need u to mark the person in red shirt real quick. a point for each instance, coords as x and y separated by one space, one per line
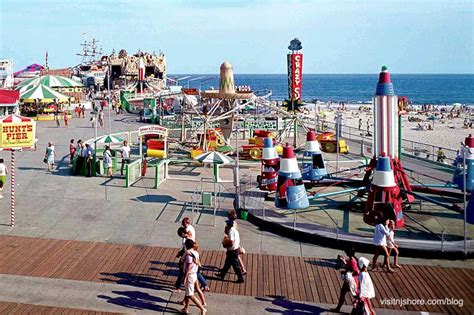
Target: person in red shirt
350 276
66 119
72 149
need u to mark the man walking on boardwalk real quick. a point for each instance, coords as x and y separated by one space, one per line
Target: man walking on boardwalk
232 243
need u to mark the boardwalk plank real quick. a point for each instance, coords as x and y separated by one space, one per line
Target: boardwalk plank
296 278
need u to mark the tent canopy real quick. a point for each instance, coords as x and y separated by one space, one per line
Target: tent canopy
31 69
42 93
49 81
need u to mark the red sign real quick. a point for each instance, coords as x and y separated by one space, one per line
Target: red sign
295 75
190 91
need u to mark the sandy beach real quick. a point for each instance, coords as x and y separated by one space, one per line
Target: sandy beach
418 125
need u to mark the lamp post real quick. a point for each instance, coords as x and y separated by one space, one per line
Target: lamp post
108 99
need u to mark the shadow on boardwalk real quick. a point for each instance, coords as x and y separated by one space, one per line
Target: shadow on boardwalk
138 301
136 280
290 307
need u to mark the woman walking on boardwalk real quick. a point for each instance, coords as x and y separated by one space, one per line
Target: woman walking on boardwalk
380 240
391 245
49 156
191 265
349 276
363 306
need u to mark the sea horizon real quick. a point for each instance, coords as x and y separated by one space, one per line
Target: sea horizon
438 89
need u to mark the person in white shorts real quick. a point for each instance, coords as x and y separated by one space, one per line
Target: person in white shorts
191 265
391 245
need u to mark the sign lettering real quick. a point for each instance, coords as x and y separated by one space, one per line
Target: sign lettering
296 76
17 135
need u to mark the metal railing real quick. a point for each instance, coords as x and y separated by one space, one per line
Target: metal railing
411 148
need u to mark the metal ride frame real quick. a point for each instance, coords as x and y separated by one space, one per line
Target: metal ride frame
233 111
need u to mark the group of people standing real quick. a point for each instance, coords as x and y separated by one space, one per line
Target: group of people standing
189 263
80 111
99 116
355 271
65 117
84 154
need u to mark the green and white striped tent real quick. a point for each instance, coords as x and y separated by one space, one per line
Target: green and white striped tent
52 81
107 139
43 93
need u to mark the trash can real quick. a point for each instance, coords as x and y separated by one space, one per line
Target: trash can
244 214
207 199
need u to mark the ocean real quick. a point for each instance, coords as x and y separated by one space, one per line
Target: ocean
420 88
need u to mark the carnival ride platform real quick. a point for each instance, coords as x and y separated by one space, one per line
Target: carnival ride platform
335 215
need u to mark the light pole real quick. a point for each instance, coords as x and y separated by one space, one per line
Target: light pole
237 175
108 99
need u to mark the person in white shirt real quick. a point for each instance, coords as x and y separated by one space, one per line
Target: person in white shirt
380 240
366 287
125 151
190 232
232 243
391 245
3 176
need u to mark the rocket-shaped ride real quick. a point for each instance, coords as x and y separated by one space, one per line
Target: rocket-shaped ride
291 193
386 196
313 163
270 161
384 200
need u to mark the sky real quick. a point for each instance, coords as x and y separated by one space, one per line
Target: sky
338 36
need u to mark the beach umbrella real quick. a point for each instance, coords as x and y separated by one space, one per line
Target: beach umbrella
109 139
49 81
214 158
42 93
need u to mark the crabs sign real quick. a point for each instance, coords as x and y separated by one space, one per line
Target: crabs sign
17 132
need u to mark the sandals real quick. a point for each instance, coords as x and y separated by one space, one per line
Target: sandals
184 311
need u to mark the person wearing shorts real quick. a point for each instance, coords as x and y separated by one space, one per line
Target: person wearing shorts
3 177
191 265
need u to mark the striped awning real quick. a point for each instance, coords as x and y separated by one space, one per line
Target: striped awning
14 119
53 81
214 157
42 93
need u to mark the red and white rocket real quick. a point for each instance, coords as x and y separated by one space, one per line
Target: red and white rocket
384 200
389 183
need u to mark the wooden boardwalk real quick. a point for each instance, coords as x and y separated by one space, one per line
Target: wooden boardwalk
20 308
294 278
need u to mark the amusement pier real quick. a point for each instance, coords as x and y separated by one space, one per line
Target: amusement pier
106 159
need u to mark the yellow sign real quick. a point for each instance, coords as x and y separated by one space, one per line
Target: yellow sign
17 135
